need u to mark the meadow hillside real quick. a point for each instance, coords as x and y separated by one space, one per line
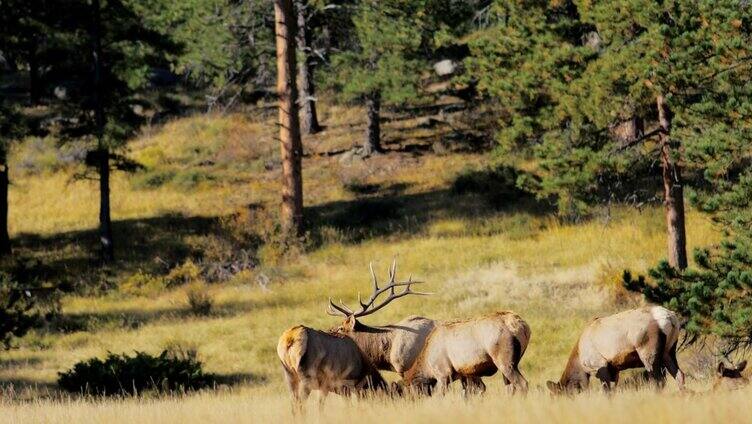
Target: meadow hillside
199 216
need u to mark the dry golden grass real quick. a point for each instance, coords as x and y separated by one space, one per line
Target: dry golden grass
495 406
475 257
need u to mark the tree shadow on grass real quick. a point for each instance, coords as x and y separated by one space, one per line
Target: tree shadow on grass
386 210
132 319
151 245
156 245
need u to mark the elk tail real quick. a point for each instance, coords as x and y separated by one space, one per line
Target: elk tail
292 347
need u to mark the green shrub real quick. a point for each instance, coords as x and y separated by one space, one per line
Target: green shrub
142 284
183 274
131 375
152 179
188 180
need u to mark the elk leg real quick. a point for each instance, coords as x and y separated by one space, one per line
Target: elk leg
605 375
515 377
303 392
672 365
292 384
654 366
472 385
506 355
442 385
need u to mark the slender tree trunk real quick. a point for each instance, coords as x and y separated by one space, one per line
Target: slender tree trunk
34 88
289 124
309 121
372 142
5 248
673 192
103 153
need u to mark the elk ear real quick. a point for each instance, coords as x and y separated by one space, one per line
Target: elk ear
741 365
721 368
553 387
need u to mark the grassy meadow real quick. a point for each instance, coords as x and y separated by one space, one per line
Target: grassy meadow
210 184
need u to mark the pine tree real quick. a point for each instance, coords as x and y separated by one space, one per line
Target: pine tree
9 130
575 73
384 64
289 124
110 79
309 121
228 45
716 296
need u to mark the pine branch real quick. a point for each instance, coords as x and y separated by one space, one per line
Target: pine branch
639 140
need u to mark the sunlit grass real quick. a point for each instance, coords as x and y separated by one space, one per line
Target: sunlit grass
262 406
476 257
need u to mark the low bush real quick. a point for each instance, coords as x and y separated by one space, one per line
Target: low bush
183 274
142 284
200 301
152 179
132 375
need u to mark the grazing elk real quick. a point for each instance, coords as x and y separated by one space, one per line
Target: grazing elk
471 349
643 337
316 360
427 353
730 378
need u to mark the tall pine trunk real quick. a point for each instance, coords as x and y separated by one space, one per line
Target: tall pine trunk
372 142
309 121
289 124
5 248
103 154
673 191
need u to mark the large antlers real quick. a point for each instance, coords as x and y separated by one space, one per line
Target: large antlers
367 308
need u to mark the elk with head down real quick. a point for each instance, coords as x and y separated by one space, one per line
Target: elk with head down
316 360
429 353
643 337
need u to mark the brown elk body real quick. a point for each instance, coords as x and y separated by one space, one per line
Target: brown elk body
315 360
391 347
427 352
730 378
643 337
469 350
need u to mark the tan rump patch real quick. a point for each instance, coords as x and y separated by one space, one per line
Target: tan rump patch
291 346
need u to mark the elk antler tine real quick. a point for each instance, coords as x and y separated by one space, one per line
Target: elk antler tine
373 275
348 310
333 309
362 305
393 270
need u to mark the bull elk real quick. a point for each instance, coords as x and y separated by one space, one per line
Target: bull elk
643 337
316 360
430 353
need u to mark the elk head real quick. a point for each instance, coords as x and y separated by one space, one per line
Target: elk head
730 378
393 289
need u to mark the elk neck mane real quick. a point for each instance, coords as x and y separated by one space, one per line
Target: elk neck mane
374 342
